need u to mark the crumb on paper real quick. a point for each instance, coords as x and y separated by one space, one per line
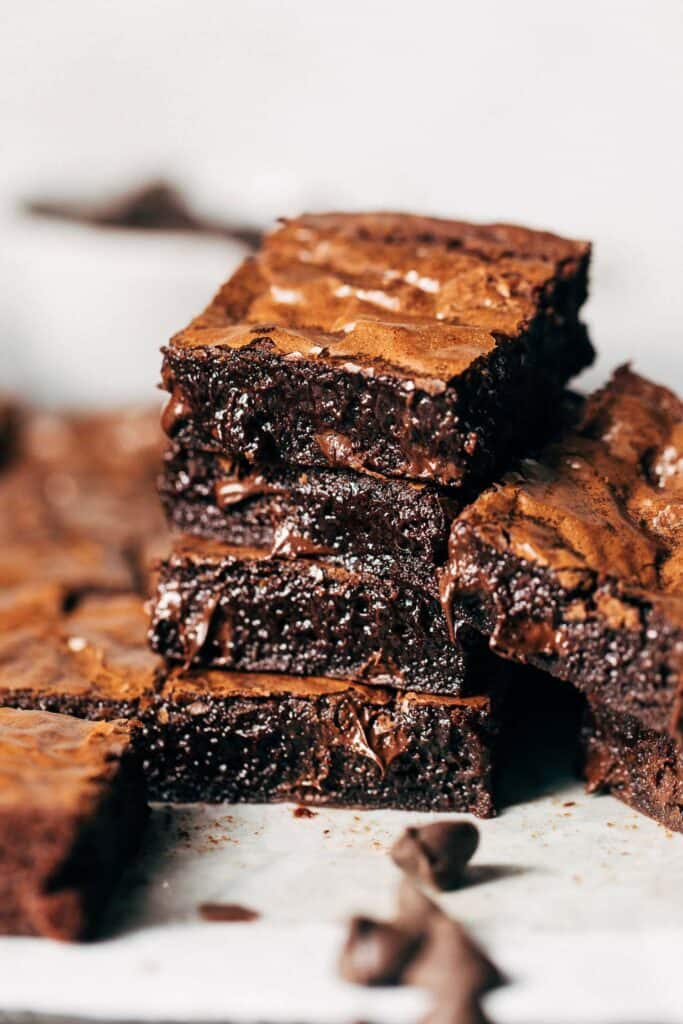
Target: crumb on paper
227 912
304 812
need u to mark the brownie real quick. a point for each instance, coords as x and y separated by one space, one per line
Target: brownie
72 810
218 606
575 562
245 736
78 503
360 520
96 473
93 663
76 566
640 766
403 345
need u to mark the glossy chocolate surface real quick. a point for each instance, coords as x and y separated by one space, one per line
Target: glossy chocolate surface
412 295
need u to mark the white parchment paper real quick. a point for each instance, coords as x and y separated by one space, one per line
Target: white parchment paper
578 899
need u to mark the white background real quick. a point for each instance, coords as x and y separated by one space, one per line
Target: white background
559 115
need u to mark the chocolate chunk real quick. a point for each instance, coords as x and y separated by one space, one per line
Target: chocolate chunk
376 953
438 853
448 961
226 912
425 948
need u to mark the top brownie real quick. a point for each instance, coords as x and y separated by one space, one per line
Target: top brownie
575 563
404 345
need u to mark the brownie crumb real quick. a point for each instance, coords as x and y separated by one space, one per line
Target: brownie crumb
304 812
436 854
227 912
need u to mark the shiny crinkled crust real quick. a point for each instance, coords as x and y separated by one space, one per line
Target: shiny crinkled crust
383 343
575 562
95 655
416 296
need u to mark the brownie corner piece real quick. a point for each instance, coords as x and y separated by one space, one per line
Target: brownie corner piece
72 810
401 345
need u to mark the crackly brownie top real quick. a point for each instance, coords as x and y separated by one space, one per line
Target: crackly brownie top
99 652
605 502
54 761
415 296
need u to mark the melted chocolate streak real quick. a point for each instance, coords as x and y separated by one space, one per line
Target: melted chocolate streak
232 491
448 587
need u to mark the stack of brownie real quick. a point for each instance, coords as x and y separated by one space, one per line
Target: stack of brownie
348 390
372 470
